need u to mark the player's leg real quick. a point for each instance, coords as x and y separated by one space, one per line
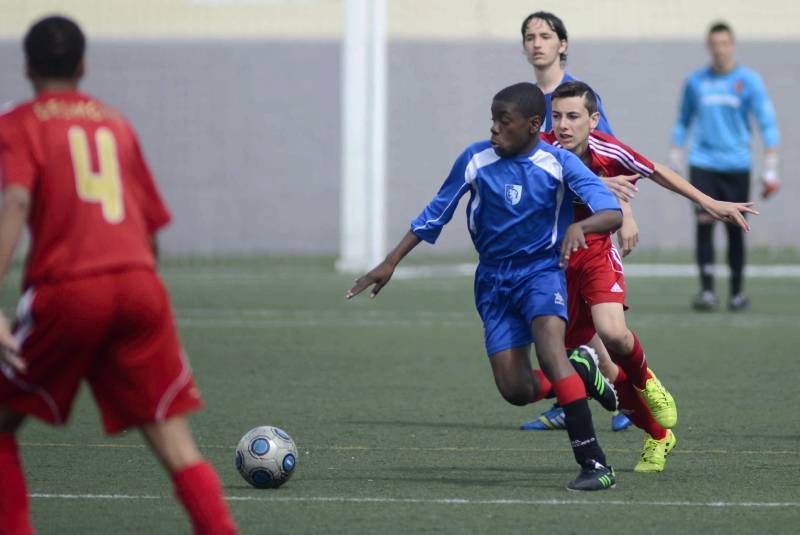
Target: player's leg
516 380
736 189
143 380
619 421
705 181
626 350
57 348
14 508
548 331
196 483
579 330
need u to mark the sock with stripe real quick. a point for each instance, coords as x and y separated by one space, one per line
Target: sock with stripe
632 406
634 364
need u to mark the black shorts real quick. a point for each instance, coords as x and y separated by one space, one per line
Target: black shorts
731 187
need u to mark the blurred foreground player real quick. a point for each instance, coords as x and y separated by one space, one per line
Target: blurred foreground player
93 306
518 188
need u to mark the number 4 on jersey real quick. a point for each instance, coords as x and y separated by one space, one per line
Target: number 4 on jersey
105 186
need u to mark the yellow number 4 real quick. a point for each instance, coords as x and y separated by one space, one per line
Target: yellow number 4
105 186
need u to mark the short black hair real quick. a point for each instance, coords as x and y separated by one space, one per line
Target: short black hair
528 98
720 26
555 24
54 47
577 89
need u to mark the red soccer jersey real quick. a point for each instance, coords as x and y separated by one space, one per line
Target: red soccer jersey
95 206
608 157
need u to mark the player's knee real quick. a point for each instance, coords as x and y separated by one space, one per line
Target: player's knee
515 393
616 337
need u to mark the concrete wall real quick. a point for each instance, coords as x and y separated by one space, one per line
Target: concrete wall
244 135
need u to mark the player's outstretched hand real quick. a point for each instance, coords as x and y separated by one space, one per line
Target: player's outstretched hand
623 186
574 239
379 276
731 212
9 348
628 235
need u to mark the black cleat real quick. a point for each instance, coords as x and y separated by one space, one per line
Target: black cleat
593 476
584 360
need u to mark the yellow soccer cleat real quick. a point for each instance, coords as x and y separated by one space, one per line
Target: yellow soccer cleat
654 453
660 401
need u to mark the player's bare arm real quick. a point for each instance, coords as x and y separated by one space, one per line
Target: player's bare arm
575 236
623 186
729 212
379 276
628 234
14 211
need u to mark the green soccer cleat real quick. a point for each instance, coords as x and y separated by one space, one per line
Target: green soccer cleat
584 360
660 402
654 453
593 476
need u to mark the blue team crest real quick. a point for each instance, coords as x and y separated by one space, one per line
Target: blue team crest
513 193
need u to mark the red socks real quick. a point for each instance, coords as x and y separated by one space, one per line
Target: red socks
569 389
545 386
14 511
632 406
634 364
199 490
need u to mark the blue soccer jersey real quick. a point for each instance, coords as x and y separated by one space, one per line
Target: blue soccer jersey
603 125
518 207
714 112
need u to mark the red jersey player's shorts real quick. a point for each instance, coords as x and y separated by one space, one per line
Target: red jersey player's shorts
594 275
114 329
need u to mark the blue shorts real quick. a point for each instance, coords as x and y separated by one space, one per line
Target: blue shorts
509 298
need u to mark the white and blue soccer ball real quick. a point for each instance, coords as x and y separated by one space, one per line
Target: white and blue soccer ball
266 457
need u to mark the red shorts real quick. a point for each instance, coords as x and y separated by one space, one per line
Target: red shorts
594 275
118 332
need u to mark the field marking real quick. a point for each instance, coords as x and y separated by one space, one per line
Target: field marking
464 317
631 270
338 319
432 501
455 449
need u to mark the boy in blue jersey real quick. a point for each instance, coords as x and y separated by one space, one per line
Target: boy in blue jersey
520 203
715 109
545 42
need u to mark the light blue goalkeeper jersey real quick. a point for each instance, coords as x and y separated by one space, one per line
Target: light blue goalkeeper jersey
715 111
518 207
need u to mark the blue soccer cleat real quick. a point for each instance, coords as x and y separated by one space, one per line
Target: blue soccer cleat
550 420
620 422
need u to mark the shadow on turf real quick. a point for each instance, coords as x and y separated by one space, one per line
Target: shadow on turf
457 476
416 423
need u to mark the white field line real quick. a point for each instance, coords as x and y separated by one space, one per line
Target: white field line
431 501
253 275
445 449
226 318
631 270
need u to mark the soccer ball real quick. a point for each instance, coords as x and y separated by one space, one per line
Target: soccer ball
266 457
